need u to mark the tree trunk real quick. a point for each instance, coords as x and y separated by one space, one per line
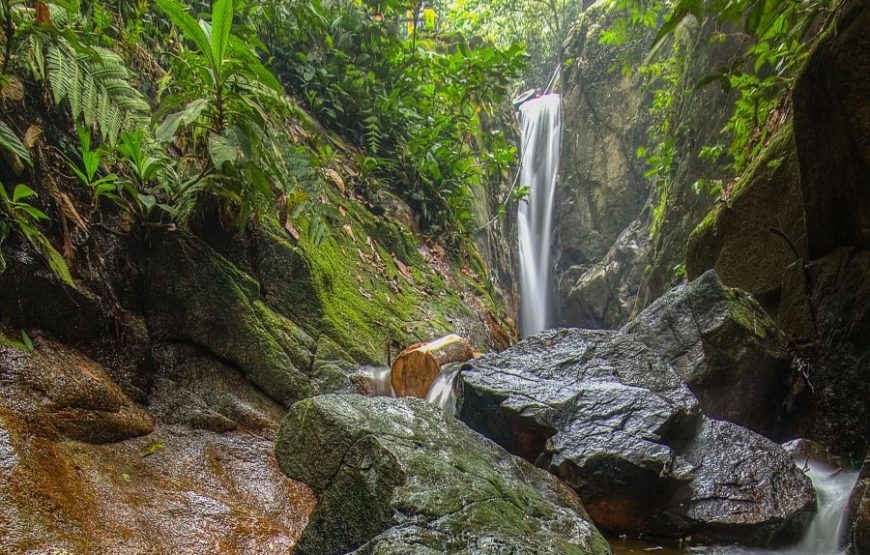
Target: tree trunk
417 367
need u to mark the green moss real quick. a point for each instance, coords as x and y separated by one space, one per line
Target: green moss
367 300
769 161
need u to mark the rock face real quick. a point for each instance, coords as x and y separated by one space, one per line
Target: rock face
725 348
84 469
810 183
629 436
143 420
602 188
203 299
605 293
736 238
400 476
832 132
826 303
621 234
859 514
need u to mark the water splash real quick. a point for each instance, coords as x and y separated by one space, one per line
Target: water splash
542 127
443 393
375 381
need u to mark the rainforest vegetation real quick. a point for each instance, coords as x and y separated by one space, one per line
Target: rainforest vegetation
264 267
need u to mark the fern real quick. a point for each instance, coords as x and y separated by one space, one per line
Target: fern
96 83
10 141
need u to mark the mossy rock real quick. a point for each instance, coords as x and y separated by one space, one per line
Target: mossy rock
736 237
195 295
401 476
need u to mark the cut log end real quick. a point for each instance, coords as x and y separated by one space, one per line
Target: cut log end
417 367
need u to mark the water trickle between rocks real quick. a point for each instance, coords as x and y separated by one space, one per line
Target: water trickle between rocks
542 127
377 383
824 535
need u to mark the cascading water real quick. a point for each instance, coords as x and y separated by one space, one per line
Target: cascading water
824 536
542 125
827 529
442 392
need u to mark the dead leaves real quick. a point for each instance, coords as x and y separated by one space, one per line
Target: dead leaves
334 176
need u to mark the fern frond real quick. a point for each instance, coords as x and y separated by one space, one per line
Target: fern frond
96 83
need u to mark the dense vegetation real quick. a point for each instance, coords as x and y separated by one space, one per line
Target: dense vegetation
778 37
134 114
146 108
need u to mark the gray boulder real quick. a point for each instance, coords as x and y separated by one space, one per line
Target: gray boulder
612 418
401 476
725 348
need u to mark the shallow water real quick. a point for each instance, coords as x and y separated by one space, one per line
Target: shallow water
822 537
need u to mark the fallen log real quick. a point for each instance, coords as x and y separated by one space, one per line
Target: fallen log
417 367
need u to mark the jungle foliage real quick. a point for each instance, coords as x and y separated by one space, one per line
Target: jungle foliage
778 37
139 110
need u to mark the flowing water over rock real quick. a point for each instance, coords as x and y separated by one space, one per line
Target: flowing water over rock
824 536
375 381
542 123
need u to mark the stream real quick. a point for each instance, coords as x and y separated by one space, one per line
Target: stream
822 537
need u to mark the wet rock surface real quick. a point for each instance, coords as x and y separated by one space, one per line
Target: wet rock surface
725 348
201 298
859 514
630 437
400 476
603 294
84 469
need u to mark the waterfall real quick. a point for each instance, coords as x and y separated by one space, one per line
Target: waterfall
827 529
541 122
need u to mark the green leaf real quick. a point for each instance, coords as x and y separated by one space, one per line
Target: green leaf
167 130
54 259
753 18
22 192
152 448
27 341
234 148
189 27
10 141
222 25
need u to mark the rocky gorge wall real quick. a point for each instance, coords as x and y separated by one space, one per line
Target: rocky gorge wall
610 264
792 230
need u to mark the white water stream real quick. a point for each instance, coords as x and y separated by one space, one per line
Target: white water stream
441 393
541 120
824 536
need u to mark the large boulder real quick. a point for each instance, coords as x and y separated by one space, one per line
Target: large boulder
401 476
85 469
203 299
725 348
611 417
